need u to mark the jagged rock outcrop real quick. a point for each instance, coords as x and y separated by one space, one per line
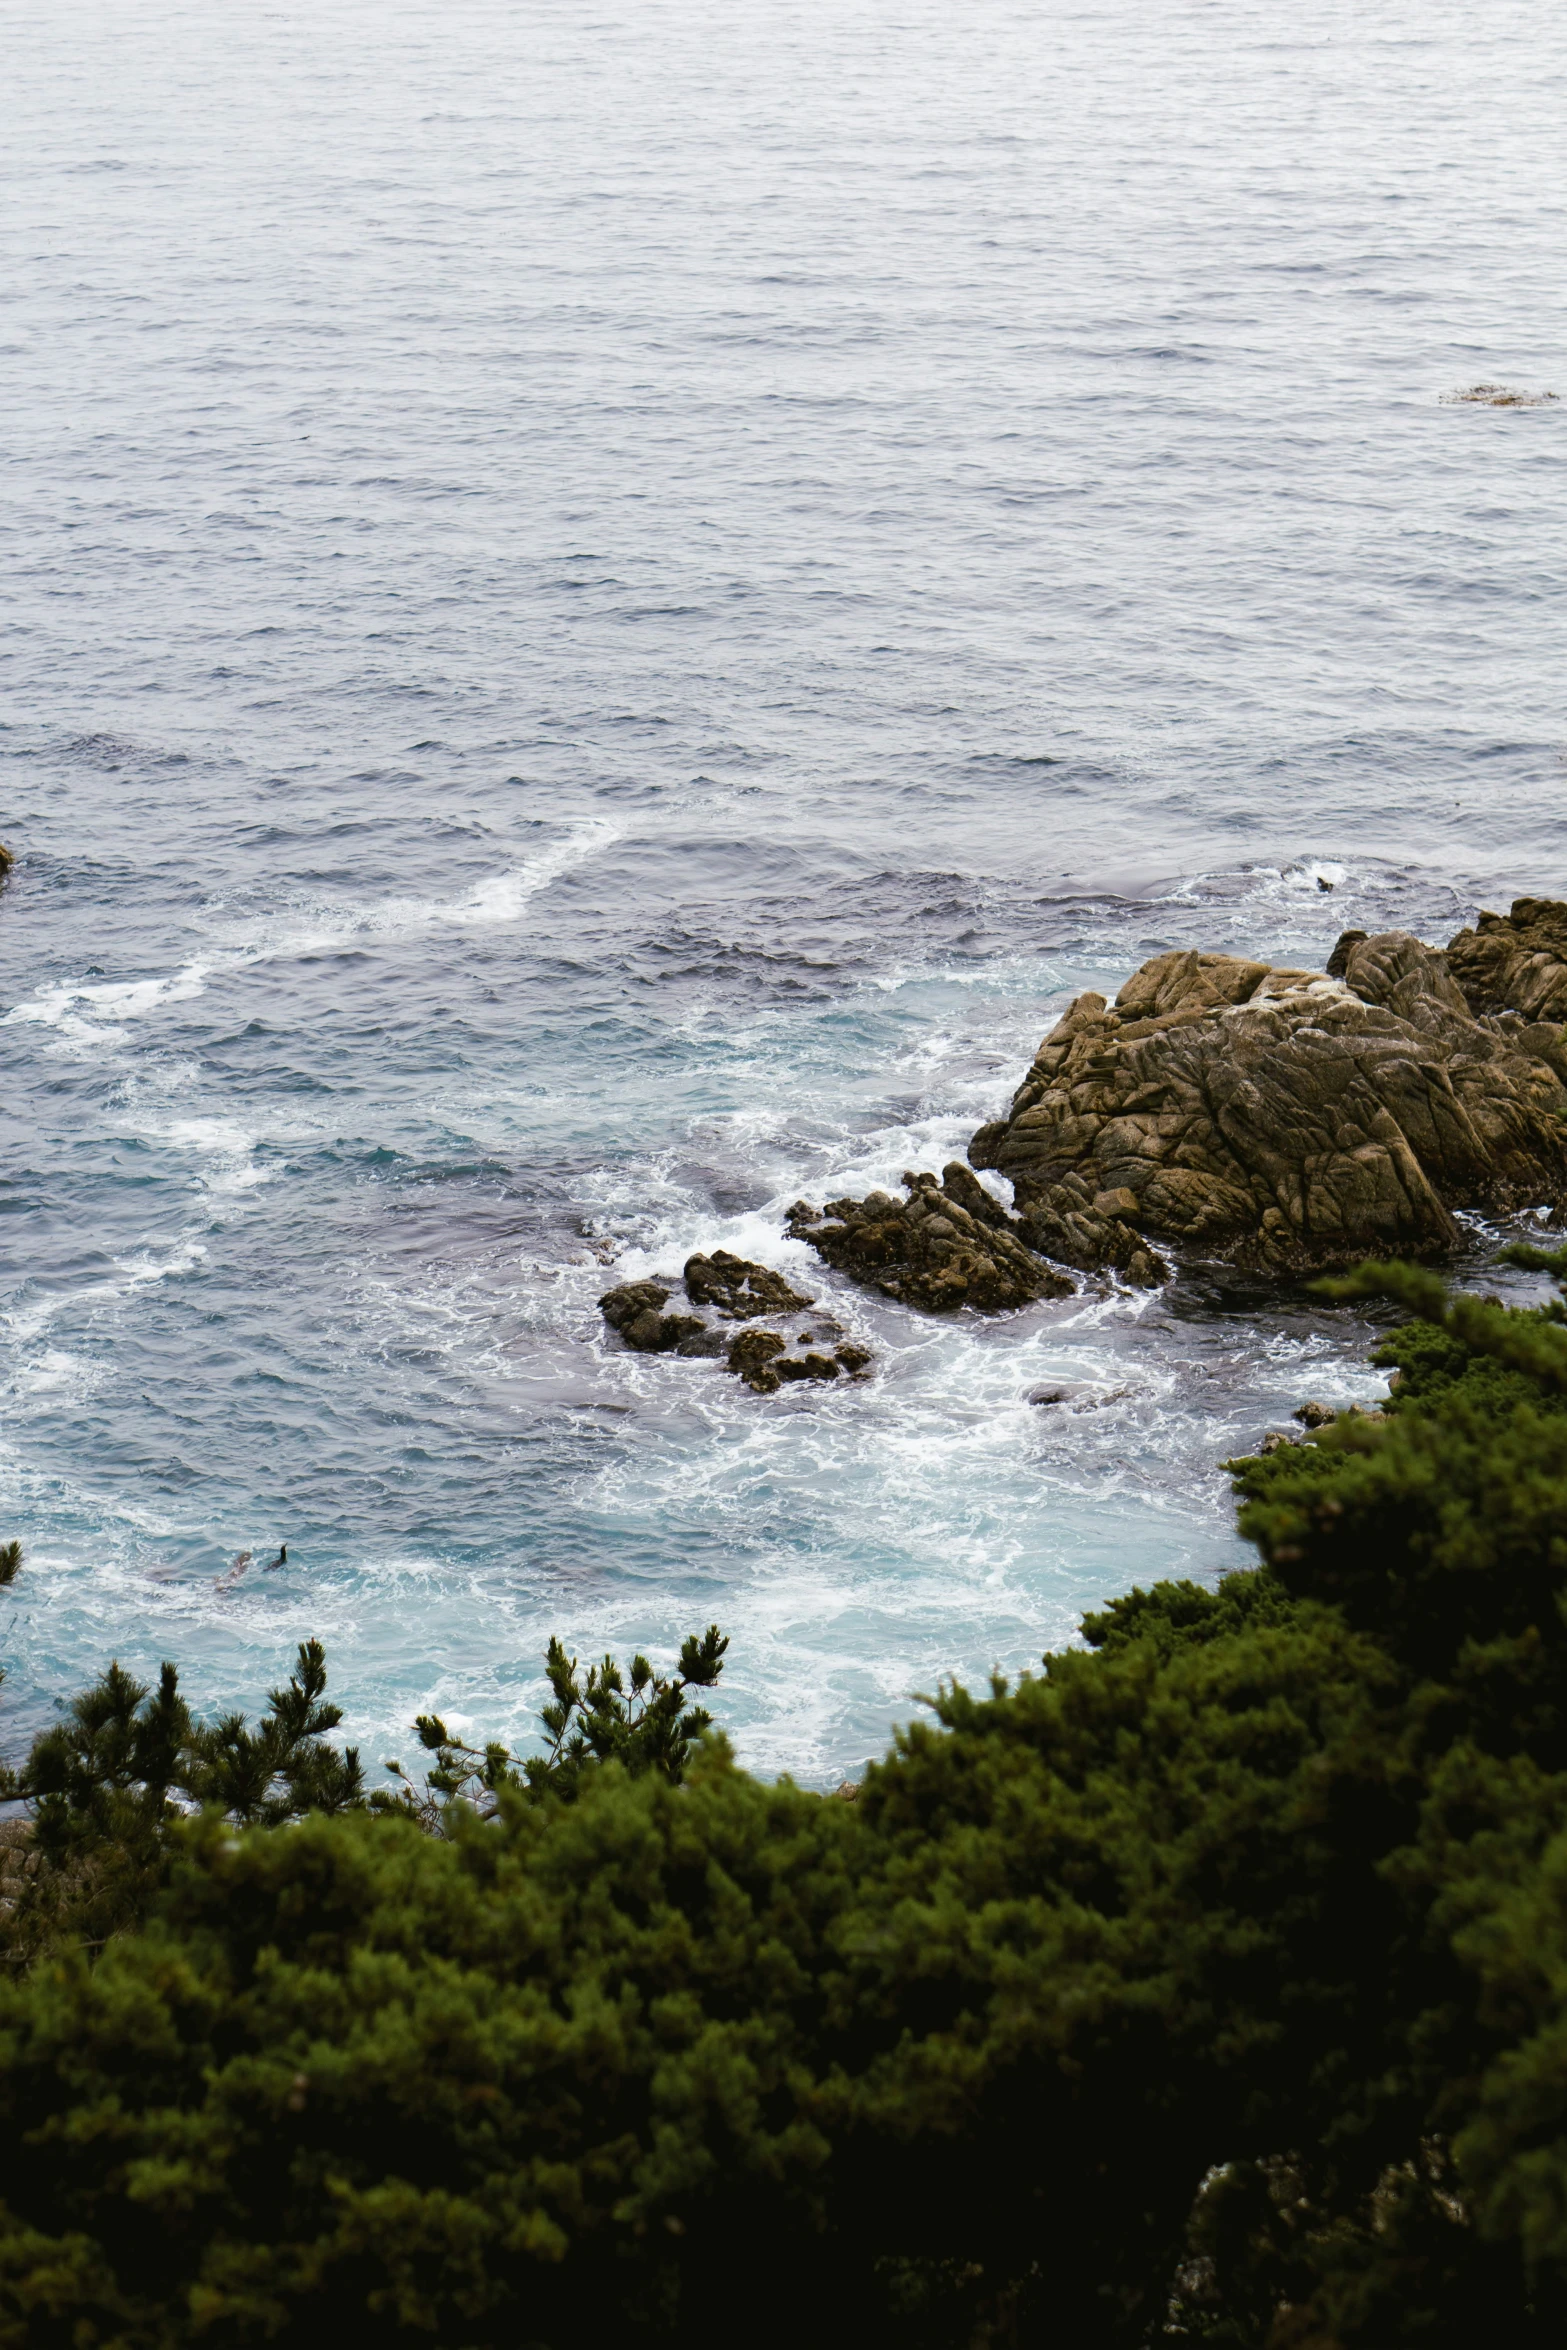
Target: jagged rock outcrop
1291 1120
761 1358
636 1310
1515 962
740 1291
948 1244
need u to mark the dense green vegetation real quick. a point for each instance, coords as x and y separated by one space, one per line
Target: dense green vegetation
1208 1986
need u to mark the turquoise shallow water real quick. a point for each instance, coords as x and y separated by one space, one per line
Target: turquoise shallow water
606 614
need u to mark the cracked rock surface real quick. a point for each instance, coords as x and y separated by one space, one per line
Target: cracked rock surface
1515 962
947 1244
1294 1120
741 1292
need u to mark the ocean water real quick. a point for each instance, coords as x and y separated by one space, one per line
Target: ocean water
607 610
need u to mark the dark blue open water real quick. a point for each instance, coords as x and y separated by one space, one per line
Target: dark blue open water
606 609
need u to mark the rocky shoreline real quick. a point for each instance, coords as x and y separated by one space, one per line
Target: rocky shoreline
948 1244
738 1291
1284 1121
1293 1121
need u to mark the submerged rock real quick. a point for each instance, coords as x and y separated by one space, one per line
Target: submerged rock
1290 1120
704 1341
1080 1395
948 1244
1497 396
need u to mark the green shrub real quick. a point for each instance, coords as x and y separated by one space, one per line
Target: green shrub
1208 1986
106 1785
589 1720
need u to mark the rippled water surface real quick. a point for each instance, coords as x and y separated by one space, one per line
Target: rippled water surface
607 610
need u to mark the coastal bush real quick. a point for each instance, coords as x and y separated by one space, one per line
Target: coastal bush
589 1720
1209 1985
105 1786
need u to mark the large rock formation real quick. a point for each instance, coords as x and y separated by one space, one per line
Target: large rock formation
1290 1120
1515 962
948 1244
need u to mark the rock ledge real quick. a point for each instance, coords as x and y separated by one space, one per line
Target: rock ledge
948 1244
1290 1120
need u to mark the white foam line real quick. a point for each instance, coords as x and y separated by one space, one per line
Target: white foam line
97 1015
28 1322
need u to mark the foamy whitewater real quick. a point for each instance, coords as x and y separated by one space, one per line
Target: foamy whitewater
608 611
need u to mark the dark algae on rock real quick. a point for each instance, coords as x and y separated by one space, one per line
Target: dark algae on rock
738 1291
1291 1121
762 1359
947 1244
636 1310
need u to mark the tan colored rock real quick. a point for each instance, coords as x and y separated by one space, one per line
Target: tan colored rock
948 1244
1515 962
1289 1120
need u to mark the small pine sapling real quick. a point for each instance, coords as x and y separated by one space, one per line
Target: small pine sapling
284 1767
591 1719
105 1785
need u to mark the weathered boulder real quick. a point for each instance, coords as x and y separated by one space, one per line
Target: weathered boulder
948 1244
807 1366
761 1358
1290 1120
738 1288
636 1311
751 1359
1515 962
